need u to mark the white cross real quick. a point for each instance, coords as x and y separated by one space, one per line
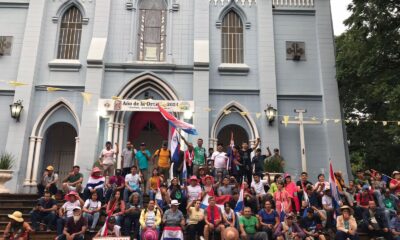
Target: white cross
301 123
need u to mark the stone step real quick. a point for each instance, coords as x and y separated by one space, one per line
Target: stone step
4 196
4 217
5 209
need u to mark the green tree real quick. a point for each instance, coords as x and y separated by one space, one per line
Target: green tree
368 73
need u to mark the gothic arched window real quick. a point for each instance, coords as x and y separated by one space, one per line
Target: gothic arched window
69 39
232 38
152 30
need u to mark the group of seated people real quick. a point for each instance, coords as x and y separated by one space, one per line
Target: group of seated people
215 204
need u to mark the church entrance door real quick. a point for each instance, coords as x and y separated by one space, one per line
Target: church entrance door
239 135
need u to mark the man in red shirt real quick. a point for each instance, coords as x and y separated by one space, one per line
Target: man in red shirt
395 183
213 219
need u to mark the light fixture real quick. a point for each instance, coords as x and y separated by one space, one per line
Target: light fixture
16 109
270 113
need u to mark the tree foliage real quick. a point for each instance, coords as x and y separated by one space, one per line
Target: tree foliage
368 72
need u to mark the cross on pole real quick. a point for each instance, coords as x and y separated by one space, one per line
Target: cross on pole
301 124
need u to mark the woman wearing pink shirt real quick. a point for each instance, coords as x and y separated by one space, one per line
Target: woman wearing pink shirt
291 188
282 198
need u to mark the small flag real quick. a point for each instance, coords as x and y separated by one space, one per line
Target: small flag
243 113
227 112
240 203
337 120
53 89
176 123
334 188
86 97
16 83
258 115
116 98
285 120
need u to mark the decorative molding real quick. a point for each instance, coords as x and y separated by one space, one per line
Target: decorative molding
64 87
4 92
241 69
293 3
239 2
175 7
65 65
14 4
146 66
294 11
233 6
66 5
302 97
234 92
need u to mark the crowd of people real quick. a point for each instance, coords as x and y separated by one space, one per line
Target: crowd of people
218 195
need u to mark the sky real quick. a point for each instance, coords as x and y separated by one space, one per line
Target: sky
339 14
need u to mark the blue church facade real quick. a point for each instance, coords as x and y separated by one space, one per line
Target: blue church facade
232 58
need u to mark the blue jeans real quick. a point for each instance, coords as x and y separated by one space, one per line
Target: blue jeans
48 218
343 236
60 225
92 219
152 194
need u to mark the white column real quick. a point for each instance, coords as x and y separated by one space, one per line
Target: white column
120 143
36 160
76 150
110 130
28 175
115 135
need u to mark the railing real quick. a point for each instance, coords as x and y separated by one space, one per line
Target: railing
293 3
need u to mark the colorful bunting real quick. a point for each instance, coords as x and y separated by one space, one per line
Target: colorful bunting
285 120
86 97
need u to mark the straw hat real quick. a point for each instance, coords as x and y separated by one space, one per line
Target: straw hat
17 216
175 202
344 207
50 168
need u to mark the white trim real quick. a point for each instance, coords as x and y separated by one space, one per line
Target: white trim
37 129
253 134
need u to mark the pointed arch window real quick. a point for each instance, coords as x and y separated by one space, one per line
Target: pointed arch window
232 38
69 39
152 30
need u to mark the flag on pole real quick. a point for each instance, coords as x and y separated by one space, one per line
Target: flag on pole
230 152
184 172
219 200
334 188
240 203
175 145
176 123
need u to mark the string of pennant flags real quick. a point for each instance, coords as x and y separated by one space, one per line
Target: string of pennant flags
87 96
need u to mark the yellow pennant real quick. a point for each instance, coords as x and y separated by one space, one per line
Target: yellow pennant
398 123
285 120
207 109
243 113
314 118
17 84
227 112
337 120
86 97
326 120
53 89
258 115
116 98
384 123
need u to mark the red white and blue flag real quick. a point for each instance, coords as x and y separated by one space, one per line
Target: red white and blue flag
230 152
334 187
172 233
240 203
219 200
176 123
175 145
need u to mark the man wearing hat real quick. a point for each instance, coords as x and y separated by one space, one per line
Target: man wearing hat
346 224
66 210
95 184
312 223
395 183
75 226
17 228
194 190
48 182
282 231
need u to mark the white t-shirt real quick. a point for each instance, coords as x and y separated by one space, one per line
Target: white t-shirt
115 233
259 187
327 201
193 192
107 156
219 159
316 185
92 205
150 218
133 181
69 207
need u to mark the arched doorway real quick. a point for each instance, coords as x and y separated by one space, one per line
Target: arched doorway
59 148
150 128
239 135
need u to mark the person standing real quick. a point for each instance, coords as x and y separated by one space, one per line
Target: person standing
189 156
245 155
220 160
127 156
106 158
48 182
200 156
257 162
274 163
142 157
163 157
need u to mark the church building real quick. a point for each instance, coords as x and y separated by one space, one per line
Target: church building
90 71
